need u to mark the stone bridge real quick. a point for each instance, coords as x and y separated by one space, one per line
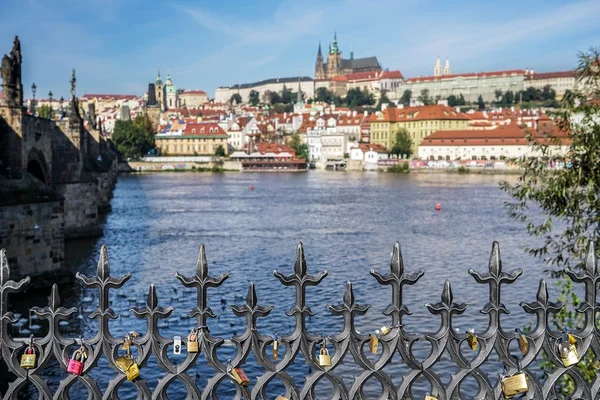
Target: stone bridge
56 176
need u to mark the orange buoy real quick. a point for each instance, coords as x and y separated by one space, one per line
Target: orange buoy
438 207
251 187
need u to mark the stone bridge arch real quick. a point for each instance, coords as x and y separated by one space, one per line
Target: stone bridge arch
38 167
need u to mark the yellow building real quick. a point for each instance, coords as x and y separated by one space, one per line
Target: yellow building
418 121
196 139
192 98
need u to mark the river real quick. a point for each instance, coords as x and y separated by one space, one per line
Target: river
348 223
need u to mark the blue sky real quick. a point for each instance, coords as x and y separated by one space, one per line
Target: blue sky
117 46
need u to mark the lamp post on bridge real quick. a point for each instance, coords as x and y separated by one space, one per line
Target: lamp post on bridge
32 106
61 101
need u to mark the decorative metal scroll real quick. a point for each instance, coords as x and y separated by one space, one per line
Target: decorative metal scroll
494 341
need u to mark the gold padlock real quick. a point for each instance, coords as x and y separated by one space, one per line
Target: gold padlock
514 385
132 372
29 356
275 349
523 342
385 330
192 342
238 375
568 354
373 343
324 357
430 397
472 339
281 398
124 362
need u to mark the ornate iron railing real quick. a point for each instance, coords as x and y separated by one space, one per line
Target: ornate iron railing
494 340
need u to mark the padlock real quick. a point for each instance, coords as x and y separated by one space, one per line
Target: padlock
514 385
28 358
472 339
324 357
177 345
430 397
523 342
568 354
238 375
385 330
76 363
132 372
192 342
281 398
373 343
124 362
275 349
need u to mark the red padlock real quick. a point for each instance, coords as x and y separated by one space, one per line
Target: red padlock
76 362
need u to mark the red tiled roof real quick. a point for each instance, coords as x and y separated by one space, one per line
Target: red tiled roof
423 113
203 128
201 92
391 75
378 148
339 78
552 75
364 76
274 148
110 96
468 75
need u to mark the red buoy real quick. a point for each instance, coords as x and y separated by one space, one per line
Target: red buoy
438 207
251 187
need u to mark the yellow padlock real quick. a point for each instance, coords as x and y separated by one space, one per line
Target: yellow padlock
324 357
275 349
567 349
281 398
514 385
472 339
28 358
132 372
373 343
430 397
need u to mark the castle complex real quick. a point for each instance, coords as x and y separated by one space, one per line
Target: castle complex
336 65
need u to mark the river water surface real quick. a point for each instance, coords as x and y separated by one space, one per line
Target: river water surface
348 223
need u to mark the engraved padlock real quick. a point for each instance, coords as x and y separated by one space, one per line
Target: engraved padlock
238 375
430 397
29 356
275 349
373 343
76 363
177 345
514 384
472 339
568 350
324 357
192 342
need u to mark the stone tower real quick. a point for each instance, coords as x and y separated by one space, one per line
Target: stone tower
12 87
159 92
437 70
151 102
319 68
447 67
334 59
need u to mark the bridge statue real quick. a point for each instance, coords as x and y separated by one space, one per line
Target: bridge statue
12 88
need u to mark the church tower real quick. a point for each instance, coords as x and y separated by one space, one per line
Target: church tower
319 68
447 67
437 70
160 99
334 59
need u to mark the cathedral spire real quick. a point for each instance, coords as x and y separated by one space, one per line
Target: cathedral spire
319 52
299 97
437 70
447 67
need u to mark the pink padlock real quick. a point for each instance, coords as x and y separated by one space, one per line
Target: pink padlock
76 362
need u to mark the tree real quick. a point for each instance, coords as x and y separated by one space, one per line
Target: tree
253 97
424 97
144 122
480 103
274 98
406 96
452 100
235 98
220 151
403 143
569 198
357 98
323 94
508 98
461 100
498 95
45 111
299 146
383 99
131 141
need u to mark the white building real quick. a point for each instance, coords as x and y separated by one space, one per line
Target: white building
502 142
369 154
306 84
